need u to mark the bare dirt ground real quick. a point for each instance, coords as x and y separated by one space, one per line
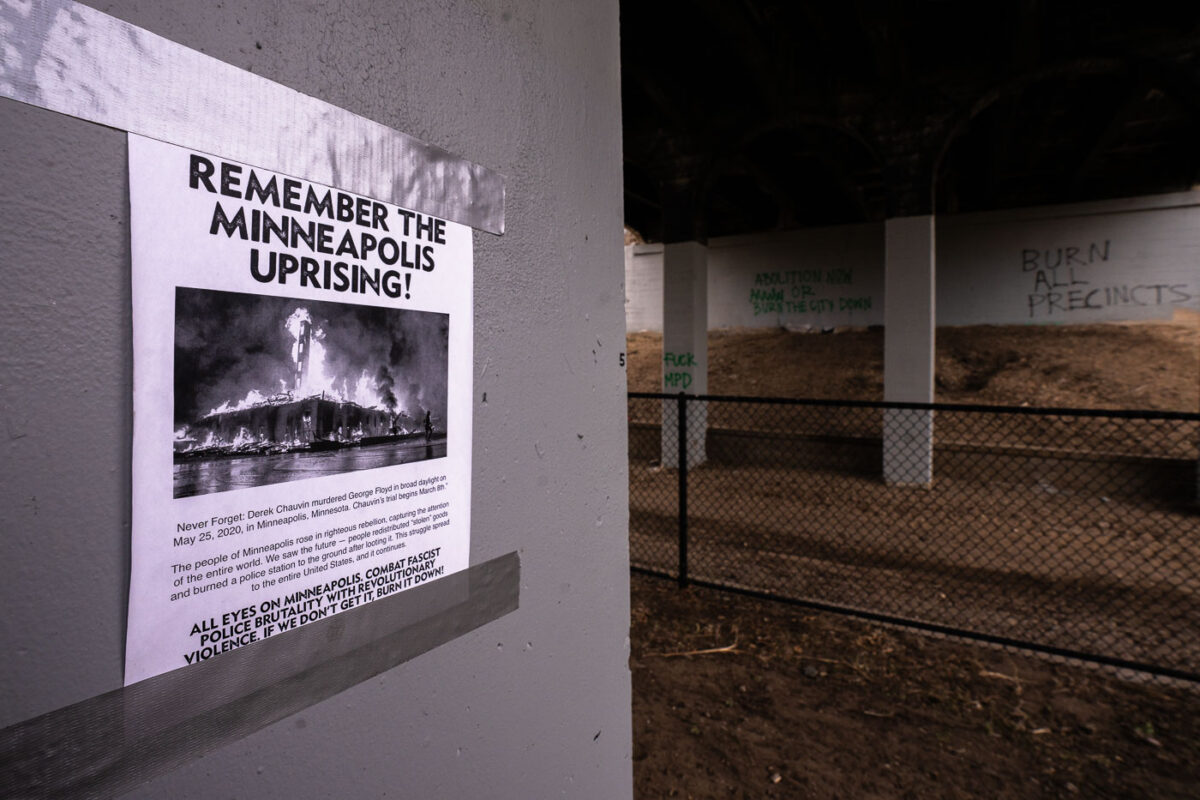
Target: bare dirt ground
1131 365
802 704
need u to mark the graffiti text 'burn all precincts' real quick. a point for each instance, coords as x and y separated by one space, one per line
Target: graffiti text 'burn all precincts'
1061 283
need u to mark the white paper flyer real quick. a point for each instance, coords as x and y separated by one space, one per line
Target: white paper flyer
302 403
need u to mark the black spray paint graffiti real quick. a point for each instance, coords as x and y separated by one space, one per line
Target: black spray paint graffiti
1058 289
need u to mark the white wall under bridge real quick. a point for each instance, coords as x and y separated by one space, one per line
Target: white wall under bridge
1129 259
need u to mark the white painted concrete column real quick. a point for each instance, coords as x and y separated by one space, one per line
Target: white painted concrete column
685 346
908 354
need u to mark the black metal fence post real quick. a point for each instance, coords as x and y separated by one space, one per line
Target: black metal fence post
683 504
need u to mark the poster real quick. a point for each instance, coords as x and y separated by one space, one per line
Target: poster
302 403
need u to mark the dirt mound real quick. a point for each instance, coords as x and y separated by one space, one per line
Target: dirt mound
1126 365
734 697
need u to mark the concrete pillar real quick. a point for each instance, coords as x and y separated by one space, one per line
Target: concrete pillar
908 355
685 346
546 713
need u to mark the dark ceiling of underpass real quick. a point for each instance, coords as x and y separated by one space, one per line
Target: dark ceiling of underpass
753 115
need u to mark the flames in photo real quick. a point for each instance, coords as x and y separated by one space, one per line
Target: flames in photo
262 376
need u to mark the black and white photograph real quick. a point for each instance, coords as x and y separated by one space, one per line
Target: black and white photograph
276 389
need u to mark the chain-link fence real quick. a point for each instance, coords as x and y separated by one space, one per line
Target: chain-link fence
1073 532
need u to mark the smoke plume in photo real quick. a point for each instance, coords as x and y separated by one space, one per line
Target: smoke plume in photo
234 350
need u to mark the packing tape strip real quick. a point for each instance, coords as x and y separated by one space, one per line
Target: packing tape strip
69 58
113 742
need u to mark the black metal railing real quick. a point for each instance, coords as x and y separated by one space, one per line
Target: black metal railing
1067 531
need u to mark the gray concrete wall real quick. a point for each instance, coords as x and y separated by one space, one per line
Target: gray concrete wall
1118 260
644 287
800 279
535 704
1130 259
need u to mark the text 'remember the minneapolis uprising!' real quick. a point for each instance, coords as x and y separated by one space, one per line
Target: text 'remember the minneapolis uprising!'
412 251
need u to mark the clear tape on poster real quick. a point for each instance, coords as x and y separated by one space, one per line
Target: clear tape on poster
72 59
113 742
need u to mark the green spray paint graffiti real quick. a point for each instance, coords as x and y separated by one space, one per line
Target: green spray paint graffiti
677 370
797 292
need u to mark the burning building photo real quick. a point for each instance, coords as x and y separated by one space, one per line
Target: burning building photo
274 389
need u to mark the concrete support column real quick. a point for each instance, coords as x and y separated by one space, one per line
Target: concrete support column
685 346
908 354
